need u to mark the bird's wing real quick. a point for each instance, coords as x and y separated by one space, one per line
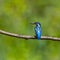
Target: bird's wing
38 32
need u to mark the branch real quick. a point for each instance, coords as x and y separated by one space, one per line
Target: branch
28 37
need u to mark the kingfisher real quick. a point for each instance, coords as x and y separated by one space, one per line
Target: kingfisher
38 30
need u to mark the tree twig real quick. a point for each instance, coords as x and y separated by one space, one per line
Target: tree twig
28 37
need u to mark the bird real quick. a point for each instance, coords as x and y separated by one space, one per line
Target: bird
38 30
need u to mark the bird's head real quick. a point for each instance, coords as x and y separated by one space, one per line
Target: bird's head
36 23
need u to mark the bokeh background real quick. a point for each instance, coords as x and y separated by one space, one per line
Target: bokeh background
16 16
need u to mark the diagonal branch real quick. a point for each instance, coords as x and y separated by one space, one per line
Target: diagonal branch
28 37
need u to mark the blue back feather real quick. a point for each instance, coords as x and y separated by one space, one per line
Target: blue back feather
38 32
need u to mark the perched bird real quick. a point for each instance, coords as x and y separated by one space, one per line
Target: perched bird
37 29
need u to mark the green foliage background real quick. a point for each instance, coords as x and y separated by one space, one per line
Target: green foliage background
16 16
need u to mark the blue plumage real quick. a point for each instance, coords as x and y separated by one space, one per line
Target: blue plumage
37 30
